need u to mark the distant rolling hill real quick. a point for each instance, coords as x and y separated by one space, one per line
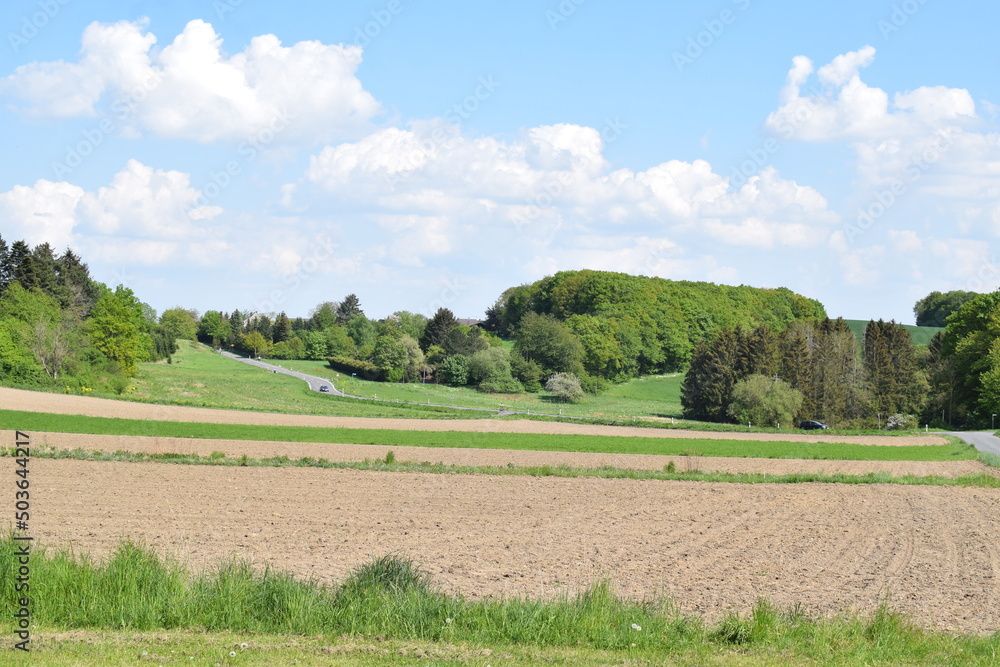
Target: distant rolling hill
919 335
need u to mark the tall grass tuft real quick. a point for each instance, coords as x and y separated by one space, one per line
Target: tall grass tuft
752 628
391 574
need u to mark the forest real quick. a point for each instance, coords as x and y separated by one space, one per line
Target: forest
60 328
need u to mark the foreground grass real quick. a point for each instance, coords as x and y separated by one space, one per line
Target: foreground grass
687 471
34 421
388 611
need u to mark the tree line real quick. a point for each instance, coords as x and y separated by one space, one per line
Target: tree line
813 370
819 370
59 327
964 365
581 330
759 355
764 356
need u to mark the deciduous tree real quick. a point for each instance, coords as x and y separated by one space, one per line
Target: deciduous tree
765 401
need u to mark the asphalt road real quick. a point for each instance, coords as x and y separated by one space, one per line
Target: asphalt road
313 381
984 441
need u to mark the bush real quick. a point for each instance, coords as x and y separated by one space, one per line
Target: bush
900 422
502 385
593 384
490 364
529 373
348 366
293 348
566 386
454 370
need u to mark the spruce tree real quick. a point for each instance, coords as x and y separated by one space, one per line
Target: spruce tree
348 308
708 385
757 352
282 328
75 277
895 381
22 265
5 270
438 328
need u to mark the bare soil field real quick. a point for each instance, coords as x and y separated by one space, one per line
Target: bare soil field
933 552
497 457
30 401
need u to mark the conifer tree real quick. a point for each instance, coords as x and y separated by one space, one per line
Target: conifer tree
893 379
348 308
5 272
282 328
757 352
708 385
22 265
437 329
795 363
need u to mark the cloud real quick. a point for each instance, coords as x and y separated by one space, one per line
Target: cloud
862 267
553 180
141 217
141 201
842 106
43 213
192 90
844 68
923 146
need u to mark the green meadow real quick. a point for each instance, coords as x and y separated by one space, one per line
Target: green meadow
34 421
200 377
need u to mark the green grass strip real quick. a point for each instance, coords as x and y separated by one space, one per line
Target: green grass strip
135 589
34 421
391 464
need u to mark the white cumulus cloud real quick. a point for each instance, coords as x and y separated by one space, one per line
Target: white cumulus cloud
842 106
191 89
43 213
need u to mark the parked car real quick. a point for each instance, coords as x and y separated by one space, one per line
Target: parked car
812 425
325 389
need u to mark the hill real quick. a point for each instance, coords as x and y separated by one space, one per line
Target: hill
636 325
919 335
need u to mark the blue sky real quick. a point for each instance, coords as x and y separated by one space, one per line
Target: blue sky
221 154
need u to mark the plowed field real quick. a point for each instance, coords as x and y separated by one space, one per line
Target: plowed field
930 551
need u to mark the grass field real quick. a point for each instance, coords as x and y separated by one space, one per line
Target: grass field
33 421
136 606
919 335
200 377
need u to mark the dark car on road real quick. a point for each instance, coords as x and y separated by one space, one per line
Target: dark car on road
812 425
325 389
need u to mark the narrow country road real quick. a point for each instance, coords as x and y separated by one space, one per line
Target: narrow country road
313 381
984 441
